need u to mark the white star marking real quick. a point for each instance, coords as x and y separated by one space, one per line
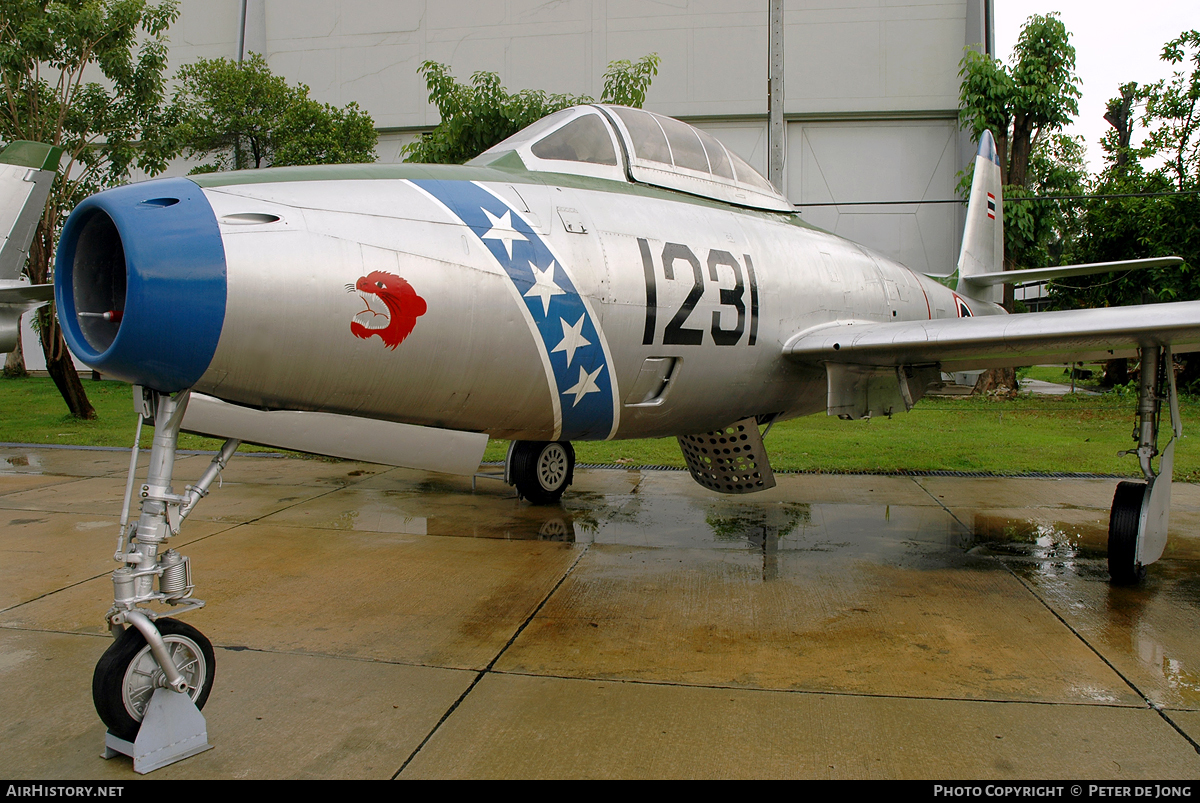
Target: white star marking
585 385
502 230
544 287
572 339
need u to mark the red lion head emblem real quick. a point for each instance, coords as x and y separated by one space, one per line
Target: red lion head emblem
392 308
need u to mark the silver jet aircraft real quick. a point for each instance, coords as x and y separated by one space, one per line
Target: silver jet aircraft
605 273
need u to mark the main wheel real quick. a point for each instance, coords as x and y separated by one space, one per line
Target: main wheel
127 674
542 470
1123 521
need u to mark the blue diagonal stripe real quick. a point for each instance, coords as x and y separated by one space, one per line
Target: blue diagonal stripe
592 416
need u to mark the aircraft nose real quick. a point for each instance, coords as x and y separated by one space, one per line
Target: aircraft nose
139 282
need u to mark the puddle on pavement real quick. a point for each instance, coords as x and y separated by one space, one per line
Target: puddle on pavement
1035 538
19 463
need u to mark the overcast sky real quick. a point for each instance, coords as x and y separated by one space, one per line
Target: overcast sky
1115 42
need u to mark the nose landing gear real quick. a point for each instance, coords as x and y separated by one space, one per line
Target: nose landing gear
149 685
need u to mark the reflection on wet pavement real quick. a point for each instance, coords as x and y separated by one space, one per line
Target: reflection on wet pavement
836 592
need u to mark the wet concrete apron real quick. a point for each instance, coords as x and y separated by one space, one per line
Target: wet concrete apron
375 623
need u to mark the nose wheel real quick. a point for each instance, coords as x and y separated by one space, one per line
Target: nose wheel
127 674
541 470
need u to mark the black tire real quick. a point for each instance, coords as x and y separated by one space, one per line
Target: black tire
542 470
1123 568
127 674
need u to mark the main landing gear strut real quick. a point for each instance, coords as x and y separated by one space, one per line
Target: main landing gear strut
1137 525
150 684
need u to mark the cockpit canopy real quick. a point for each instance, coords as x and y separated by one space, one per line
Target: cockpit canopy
624 144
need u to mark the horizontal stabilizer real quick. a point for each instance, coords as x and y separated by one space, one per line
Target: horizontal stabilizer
17 298
384 442
1061 272
17 294
998 341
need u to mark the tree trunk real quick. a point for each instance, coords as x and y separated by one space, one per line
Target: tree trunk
1021 150
1118 116
59 364
61 367
14 362
1000 382
1116 372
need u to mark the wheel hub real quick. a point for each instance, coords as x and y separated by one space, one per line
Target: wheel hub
144 675
552 467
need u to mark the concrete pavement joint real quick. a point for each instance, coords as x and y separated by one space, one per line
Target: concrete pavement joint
1149 703
1075 632
941 504
475 682
16 629
102 574
821 692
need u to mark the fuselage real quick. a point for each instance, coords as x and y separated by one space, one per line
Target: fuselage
605 273
551 309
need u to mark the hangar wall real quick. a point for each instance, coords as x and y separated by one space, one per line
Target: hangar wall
871 86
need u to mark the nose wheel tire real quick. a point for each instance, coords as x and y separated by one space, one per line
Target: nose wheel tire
1123 521
542 470
127 674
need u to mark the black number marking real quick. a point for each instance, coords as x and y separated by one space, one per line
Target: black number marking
729 298
753 301
651 292
676 334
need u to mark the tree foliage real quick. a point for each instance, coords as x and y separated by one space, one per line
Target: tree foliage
1166 161
241 115
478 115
1173 113
105 128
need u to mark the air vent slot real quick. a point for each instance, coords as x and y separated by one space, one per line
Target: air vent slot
248 219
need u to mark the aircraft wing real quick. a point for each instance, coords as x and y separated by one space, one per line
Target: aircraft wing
997 341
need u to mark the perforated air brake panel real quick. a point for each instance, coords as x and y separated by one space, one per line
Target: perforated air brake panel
731 460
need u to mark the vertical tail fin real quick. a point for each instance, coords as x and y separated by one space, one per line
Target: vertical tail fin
983 237
27 170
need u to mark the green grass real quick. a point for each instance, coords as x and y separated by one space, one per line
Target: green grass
1058 374
1030 434
32 411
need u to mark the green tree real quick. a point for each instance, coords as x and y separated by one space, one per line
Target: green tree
478 115
1173 113
1167 162
243 116
1024 105
105 128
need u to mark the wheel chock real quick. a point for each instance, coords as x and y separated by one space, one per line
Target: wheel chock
172 730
